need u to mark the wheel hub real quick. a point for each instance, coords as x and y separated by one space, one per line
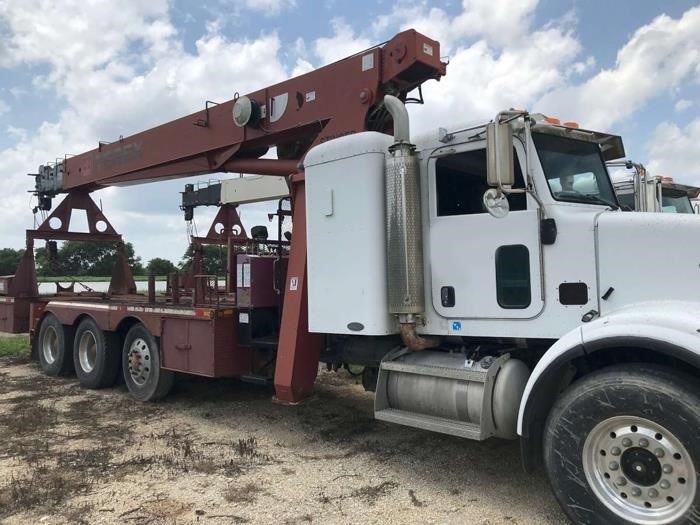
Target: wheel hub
139 361
641 466
87 351
639 470
49 345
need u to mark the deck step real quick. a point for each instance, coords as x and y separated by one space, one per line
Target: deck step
432 423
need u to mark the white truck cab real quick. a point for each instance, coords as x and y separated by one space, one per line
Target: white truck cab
492 281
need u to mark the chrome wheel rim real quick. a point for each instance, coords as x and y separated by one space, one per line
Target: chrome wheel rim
49 345
639 470
87 351
139 361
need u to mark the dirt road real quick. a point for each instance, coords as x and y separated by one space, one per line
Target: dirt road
221 452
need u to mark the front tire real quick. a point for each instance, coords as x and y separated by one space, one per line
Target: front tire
143 375
96 355
622 445
54 345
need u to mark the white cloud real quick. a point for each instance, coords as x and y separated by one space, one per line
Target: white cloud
673 151
497 60
514 78
74 35
343 43
17 133
498 21
657 58
270 7
4 107
580 68
682 105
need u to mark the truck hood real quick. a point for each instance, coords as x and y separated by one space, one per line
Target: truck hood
647 257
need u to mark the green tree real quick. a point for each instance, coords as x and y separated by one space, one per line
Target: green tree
160 266
47 260
213 260
9 259
80 258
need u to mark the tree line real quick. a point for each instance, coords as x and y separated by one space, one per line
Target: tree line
76 259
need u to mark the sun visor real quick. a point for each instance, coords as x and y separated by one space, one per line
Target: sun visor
611 146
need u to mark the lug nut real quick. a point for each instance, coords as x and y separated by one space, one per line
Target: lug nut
636 492
615 451
667 469
653 493
627 442
621 481
659 452
664 484
614 466
643 443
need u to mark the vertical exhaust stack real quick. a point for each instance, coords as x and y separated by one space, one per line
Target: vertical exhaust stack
404 230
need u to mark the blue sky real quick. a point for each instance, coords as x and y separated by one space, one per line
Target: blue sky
75 72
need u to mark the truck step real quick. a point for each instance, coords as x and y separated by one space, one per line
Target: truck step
476 373
256 380
432 423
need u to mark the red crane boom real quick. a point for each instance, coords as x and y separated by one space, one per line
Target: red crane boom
339 99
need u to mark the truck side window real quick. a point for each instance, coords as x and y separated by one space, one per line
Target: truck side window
513 276
460 183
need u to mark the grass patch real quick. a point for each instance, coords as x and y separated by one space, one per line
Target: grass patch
13 345
40 487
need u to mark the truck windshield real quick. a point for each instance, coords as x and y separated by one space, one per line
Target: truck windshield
626 200
675 202
574 169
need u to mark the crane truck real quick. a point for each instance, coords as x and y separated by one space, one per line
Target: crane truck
484 297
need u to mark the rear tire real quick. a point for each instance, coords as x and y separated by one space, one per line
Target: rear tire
53 346
96 355
143 375
622 445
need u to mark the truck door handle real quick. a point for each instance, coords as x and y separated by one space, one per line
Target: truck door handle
447 296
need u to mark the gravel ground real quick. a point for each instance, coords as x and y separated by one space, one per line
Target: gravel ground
221 452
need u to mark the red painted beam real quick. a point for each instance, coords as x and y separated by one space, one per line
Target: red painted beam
323 104
298 351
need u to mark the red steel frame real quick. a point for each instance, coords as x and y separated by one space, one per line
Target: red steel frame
298 350
329 102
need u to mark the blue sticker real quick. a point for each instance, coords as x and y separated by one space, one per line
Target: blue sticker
456 326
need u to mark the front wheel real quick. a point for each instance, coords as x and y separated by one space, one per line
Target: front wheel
622 445
143 375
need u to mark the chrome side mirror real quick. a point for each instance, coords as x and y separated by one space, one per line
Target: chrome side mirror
499 155
496 203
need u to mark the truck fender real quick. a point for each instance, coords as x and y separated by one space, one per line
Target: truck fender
671 328
668 327
567 348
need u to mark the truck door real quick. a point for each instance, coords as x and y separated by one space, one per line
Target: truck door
481 266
